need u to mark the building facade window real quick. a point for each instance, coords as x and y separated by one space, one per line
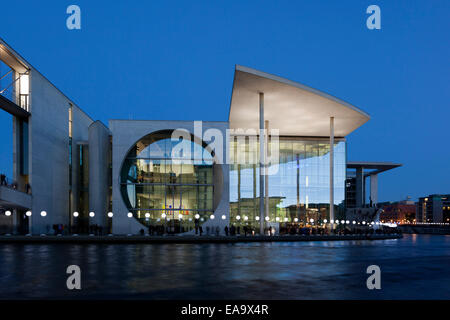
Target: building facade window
157 186
298 192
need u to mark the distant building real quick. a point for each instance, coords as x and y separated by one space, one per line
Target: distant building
434 208
355 182
400 211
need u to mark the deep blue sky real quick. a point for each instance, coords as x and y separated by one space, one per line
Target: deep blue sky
175 60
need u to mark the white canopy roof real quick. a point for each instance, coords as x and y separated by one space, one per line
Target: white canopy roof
294 109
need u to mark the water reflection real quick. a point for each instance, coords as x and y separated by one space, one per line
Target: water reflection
296 270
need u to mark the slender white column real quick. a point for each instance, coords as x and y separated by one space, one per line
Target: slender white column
331 168
266 171
261 163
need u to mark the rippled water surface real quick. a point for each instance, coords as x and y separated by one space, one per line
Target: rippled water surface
415 267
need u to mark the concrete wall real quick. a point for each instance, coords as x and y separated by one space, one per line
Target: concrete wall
80 124
99 148
125 133
49 151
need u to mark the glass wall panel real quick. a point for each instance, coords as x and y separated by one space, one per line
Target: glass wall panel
298 192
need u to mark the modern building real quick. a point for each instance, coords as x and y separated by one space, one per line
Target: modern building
355 184
176 173
434 208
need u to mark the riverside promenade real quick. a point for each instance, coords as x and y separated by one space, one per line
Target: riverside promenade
187 238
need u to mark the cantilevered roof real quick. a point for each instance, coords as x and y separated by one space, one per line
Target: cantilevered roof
11 58
293 108
376 167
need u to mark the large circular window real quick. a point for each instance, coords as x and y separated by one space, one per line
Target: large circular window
160 185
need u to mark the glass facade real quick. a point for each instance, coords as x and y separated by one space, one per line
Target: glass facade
298 191
157 181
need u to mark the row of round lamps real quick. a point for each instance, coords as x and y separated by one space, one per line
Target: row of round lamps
212 217
28 213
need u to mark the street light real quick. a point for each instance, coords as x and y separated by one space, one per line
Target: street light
295 219
129 215
257 218
75 215
28 214
224 217
8 213
212 217
110 215
43 214
91 215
